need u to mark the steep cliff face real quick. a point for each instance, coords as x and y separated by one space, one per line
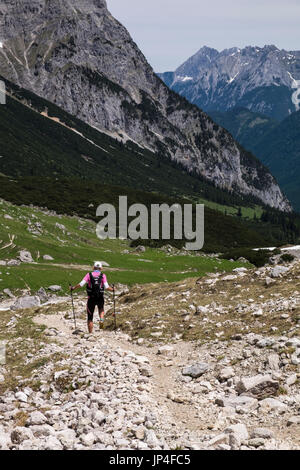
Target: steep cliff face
264 80
76 55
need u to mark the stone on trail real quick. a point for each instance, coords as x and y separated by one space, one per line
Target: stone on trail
262 433
237 401
226 373
273 361
294 420
21 396
20 434
278 271
270 404
5 440
196 370
36 417
41 293
26 301
259 386
67 438
239 432
166 351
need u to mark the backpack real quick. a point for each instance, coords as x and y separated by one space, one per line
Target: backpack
97 289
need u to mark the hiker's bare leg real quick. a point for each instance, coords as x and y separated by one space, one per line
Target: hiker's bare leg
101 316
90 313
90 326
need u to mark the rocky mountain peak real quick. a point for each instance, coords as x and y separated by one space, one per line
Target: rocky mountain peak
76 55
263 79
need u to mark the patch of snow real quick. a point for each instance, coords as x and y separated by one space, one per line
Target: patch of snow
1 44
296 94
185 79
294 247
233 78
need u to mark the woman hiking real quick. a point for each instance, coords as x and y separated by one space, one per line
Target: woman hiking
96 282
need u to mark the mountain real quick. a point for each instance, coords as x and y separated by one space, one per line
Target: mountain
246 127
279 149
77 56
264 80
277 144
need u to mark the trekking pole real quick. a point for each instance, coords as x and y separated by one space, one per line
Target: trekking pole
114 297
73 307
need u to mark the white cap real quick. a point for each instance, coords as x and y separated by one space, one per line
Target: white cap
97 264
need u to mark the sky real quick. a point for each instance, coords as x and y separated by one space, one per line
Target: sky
168 32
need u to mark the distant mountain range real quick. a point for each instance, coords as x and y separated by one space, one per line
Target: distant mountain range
264 80
277 144
74 54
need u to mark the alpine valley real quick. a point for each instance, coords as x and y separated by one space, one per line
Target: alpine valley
77 56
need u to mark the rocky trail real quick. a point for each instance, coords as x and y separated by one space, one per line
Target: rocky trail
222 375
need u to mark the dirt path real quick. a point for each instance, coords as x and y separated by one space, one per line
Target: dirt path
164 369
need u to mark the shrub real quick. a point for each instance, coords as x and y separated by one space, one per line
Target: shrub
287 258
258 258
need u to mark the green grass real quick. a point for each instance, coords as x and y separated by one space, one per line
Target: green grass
78 247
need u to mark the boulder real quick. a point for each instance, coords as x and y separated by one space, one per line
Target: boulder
239 432
48 258
42 294
140 249
9 293
20 434
21 396
13 262
273 361
270 404
166 351
25 256
55 288
36 417
26 301
225 374
278 271
196 370
262 433
259 386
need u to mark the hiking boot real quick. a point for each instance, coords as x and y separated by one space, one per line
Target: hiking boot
101 325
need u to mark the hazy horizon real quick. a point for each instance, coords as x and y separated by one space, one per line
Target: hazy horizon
170 32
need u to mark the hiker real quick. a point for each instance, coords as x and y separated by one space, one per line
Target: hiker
96 283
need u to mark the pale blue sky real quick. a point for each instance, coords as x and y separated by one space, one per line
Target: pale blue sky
170 31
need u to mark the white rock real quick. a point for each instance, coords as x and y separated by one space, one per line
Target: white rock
273 361
55 288
240 432
88 439
166 351
48 258
25 256
226 374
257 386
151 439
26 301
21 396
36 418
262 433
272 404
20 434
67 438
52 443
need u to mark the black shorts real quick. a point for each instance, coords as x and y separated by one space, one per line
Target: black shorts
92 303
